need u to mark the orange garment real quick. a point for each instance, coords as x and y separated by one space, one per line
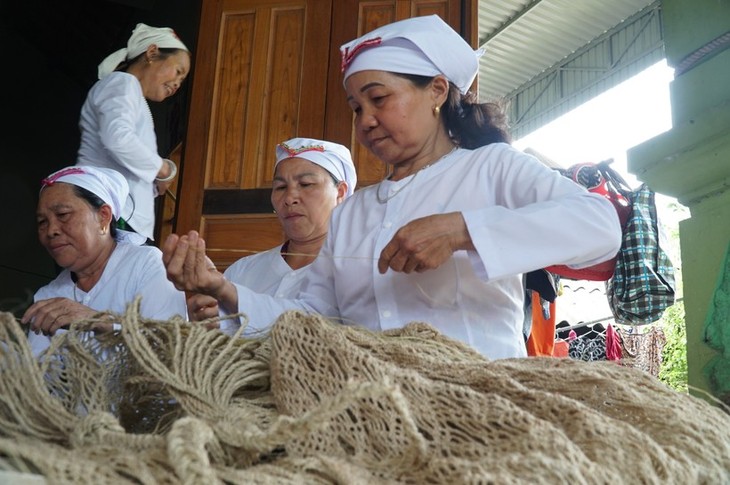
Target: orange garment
542 333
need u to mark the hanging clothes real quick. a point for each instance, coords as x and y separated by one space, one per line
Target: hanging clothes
643 350
613 344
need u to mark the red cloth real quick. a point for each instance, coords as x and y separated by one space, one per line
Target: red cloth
613 343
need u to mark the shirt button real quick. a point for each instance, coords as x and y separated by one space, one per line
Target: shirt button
386 314
387 225
280 295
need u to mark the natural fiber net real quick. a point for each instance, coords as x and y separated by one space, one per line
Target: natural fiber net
318 402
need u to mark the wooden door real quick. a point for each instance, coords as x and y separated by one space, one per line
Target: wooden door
259 78
266 71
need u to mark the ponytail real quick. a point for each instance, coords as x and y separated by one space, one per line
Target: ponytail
472 124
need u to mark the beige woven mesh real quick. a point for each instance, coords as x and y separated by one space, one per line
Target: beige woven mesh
317 402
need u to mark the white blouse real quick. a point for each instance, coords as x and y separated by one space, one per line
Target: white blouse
131 270
117 131
521 216
266 273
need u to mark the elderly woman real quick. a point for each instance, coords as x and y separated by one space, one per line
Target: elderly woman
447 236
77 209
117 129
311 177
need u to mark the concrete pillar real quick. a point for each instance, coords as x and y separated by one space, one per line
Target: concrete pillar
692 163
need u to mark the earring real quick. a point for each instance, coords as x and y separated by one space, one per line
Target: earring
436 110
103 230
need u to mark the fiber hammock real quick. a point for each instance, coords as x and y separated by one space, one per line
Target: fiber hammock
318 402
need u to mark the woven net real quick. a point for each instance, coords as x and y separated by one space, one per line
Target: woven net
317 402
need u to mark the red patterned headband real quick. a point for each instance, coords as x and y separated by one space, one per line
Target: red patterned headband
50 180
348 55
296 151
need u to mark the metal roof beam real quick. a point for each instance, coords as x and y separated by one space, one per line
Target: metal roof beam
529 6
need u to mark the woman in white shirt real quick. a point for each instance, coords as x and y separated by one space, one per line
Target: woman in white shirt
446 237
102 271
311 177
117 129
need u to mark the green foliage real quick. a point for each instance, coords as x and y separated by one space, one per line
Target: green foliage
673 371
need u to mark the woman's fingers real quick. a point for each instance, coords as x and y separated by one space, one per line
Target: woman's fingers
47 316
424 243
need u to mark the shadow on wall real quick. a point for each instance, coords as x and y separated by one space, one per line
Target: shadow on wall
61 45
41 136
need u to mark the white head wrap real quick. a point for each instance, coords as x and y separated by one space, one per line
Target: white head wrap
333 157
107 184
424 46
142 37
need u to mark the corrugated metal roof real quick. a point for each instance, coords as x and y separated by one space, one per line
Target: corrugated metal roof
525 40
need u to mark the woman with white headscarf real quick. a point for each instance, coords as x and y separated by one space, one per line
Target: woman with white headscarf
311 177
117 129
447 236
102 271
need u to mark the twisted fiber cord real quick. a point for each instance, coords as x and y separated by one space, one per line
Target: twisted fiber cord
569 416
56 463
251 437
26 407
607 431
103 429
693 434
311 359
355 409
186 448
287 428
219 379
319 470
611 409
206 367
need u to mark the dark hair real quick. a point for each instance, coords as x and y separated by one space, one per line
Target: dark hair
95 202
164 53
470 124
334 179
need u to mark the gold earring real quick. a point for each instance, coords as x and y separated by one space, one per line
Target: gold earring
436 110
103 230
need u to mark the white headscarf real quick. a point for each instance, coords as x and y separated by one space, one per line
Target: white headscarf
107 184
333 157
424 46
142 37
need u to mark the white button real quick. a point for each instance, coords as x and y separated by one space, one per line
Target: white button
386 314
387 225
280 295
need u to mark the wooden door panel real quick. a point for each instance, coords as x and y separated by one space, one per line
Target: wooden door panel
230 104
259 79
229 238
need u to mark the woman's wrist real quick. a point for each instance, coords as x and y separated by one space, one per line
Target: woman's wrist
171 174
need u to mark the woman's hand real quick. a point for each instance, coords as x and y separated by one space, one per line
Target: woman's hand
425 243
47 316
162 187
165 176
202 307
189 269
